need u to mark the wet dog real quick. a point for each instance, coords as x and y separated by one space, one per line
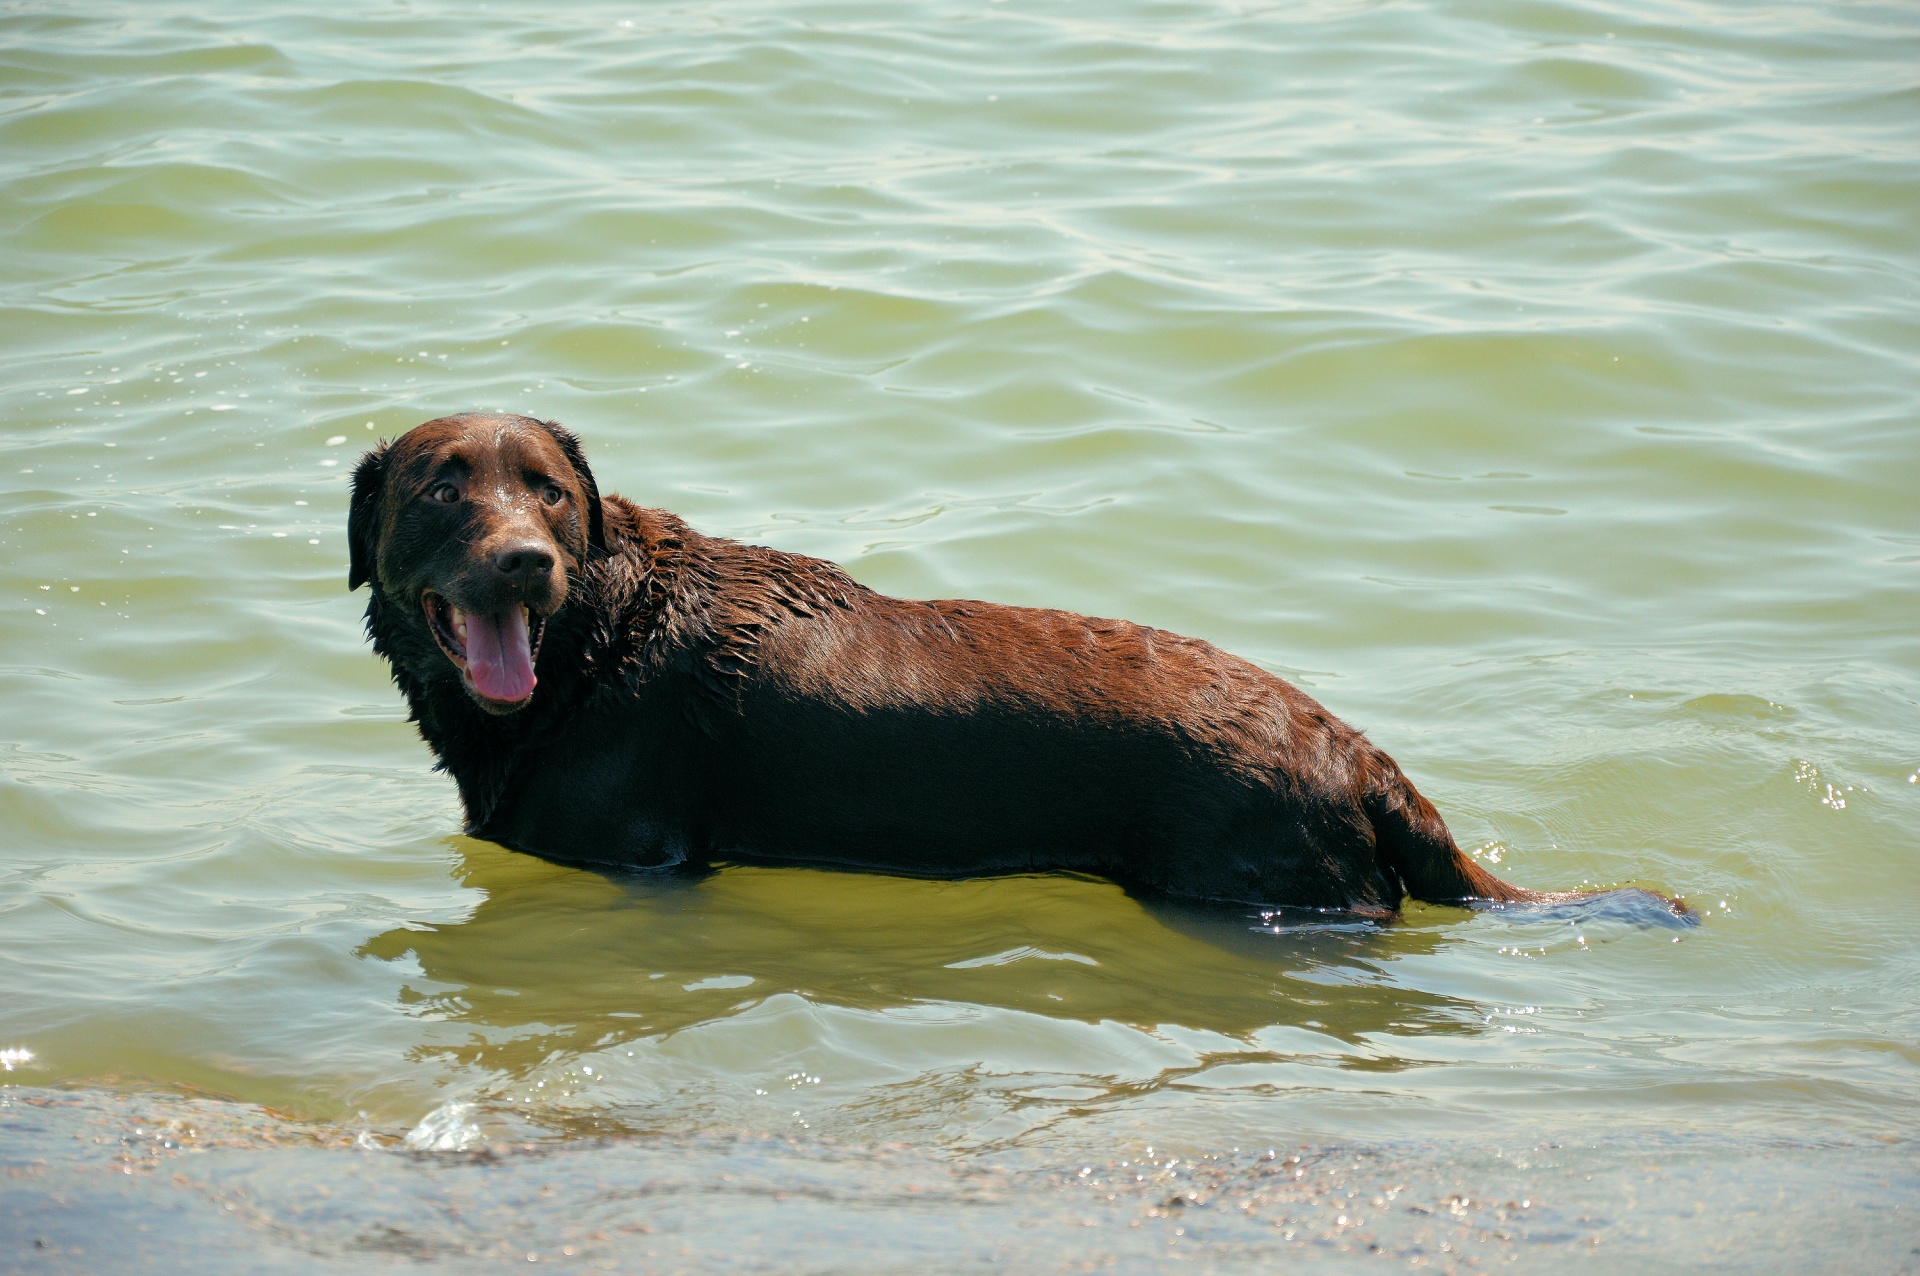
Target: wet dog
607 685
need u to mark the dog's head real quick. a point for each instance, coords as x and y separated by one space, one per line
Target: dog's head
470 526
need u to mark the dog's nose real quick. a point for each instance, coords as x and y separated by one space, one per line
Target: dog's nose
525 561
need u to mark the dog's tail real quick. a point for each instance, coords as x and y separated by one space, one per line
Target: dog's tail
1416 851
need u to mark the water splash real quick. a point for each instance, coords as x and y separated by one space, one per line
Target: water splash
448 1128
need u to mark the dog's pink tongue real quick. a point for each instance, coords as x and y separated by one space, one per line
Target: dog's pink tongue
498 658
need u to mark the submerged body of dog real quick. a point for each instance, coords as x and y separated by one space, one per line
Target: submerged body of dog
699 699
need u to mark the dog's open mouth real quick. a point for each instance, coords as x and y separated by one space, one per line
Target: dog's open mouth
494 651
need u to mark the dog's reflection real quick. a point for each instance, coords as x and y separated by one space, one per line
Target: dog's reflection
570 959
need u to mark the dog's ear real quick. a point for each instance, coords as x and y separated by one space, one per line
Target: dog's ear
363 515
596 524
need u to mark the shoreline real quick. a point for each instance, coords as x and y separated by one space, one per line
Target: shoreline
99 1179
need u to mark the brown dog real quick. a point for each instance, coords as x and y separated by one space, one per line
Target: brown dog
607 685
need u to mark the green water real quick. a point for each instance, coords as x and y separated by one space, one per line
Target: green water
1534 381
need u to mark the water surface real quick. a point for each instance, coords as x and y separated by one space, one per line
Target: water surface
1535 382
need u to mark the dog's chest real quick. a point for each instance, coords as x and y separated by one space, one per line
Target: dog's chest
604 789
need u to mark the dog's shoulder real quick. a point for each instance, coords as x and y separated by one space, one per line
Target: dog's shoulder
725 581
638 530
666 596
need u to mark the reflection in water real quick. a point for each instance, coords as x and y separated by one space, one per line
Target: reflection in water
559 959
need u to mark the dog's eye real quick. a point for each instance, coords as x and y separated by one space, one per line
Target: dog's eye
553 495
446 494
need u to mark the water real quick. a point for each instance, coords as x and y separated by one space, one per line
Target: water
1534 382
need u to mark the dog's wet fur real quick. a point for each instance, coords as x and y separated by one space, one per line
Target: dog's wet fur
608 686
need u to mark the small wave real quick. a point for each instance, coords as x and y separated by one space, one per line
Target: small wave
1628 904
448 1128
1022 953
